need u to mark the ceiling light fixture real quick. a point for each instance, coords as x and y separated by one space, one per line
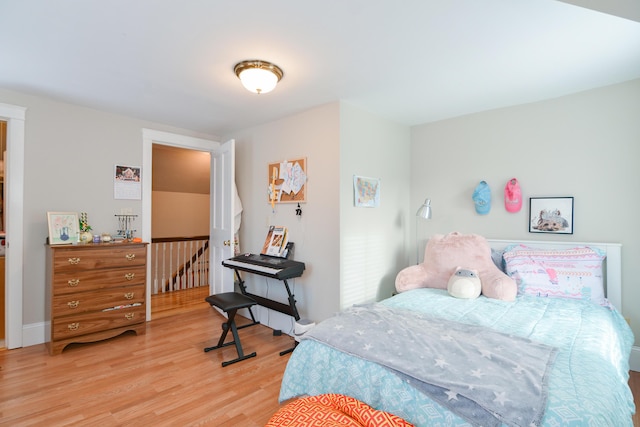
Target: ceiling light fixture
258 76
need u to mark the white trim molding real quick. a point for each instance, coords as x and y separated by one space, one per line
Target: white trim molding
14 169
634 360
150 137
35 333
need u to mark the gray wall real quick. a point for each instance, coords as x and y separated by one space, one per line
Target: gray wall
70 154
313 134
351 254
372 240
585 145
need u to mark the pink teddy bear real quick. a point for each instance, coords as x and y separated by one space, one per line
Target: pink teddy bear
444 253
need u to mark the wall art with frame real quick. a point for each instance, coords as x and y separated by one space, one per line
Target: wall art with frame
366 192
551 215
63 228
287 181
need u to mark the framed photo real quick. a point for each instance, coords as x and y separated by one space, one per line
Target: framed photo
551 215
63 228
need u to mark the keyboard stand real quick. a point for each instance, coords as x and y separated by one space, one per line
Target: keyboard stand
289 309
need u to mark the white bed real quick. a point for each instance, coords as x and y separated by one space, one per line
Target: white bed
587 380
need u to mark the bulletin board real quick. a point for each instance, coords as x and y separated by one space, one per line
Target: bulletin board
287 181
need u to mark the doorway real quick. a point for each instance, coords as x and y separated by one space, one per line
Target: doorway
3 149
221 231
180 218
15 118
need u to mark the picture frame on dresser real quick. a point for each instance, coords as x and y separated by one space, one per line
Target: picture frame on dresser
64 228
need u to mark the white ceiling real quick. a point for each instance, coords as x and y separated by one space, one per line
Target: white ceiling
411 61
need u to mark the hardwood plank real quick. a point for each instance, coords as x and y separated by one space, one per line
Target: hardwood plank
160 378
177 302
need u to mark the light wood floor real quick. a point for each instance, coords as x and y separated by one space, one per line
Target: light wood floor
162 378
177 302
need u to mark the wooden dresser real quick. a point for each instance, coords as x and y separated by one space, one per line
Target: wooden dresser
95 291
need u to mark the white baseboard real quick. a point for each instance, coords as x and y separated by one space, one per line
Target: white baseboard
634 360
34 333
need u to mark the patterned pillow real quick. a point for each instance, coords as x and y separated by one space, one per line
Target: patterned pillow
333 409
566 273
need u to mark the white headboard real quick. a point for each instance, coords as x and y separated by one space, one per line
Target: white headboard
613 262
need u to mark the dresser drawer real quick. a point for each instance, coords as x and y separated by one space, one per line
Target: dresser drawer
76 325
108 256
82 302
81 281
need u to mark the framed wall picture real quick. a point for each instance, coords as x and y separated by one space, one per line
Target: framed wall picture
551 215
287 181
366 192
63 228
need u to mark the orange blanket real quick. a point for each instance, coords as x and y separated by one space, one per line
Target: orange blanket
329 410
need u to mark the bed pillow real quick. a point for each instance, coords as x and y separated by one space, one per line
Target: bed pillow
565 273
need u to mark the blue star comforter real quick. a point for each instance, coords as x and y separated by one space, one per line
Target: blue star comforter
587 378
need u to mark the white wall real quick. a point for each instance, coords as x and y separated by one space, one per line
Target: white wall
372 240
352 254
70 153
585 145
313 134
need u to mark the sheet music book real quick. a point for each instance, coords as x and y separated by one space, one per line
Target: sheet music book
276 242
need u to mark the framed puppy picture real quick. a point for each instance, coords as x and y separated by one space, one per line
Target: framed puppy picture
551 215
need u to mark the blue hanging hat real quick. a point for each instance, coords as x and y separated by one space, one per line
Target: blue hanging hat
482 198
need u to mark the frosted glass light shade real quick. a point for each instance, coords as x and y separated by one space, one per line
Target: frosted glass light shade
258 76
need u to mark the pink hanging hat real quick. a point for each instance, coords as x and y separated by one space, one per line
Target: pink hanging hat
512 196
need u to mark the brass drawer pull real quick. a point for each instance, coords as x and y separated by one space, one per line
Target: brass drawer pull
74 260
73 282
73 304
130 316
73 326
129 295
130 257
130 276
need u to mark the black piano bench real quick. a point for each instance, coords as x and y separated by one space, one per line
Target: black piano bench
230 303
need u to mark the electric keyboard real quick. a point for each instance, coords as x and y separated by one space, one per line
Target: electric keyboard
264 265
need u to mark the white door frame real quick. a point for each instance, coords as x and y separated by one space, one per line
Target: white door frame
14 196
222 227
150 137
